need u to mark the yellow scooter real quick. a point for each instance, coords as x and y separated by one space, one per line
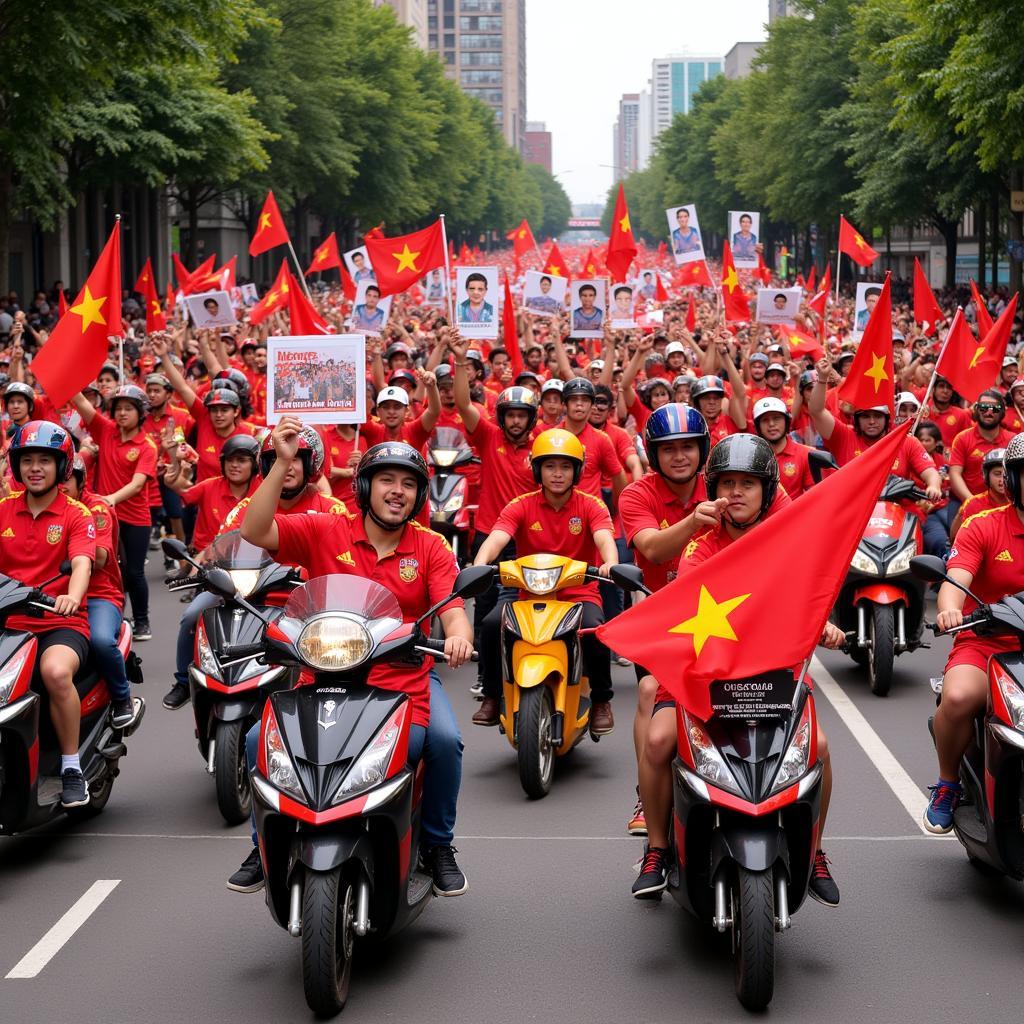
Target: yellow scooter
546 696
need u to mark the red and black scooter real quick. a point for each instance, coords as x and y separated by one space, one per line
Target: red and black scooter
989 821
337 805
30 784
746 802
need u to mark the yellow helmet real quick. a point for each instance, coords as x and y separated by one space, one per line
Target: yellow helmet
557 443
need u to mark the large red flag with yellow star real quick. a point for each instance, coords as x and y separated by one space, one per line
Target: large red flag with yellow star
522 239
870 381
621 244
971 364
737 306
400 262
724 618
78 346
555 263
851 242
146 287
693 275
270 229
276 298
326 255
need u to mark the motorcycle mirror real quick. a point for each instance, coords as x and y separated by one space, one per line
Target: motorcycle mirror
629 577
219 582
473 581
173 548
932 569
819 461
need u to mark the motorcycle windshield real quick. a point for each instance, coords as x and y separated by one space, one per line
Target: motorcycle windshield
341 593
230 551
448 438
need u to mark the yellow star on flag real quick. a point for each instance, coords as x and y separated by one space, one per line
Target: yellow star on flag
554 270
877 372
321 255
156 307
522 232
730 281
711 620
272 297
89 309
406 260
974 360
858 240
624 223
265 219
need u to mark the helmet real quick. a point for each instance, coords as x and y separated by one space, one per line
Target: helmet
683 378
527 375
769 404
1013 461
396 377
78 470
673 347
759 357
397 348
131 393
161 380
708 385
645 391
311 452
555 384
674 422
240 444
233 379
557 443
516 398
1018 383
476 356
390 455
990 460
775 368
883 409
807 379
393 393
578 387
17 387
443 373
44 436
111 369
744 453
222 396
907 398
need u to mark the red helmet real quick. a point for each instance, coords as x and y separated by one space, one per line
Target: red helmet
42 436
311 452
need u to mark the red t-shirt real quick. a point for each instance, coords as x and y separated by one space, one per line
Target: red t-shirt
846 444
723 426
336 453
410 432
209 442
311 501
214 500
154 428
505 471
419 572
539 529
976 503
714 538
969 448
950 423
105 584
794 469
599 460
32 548
119 461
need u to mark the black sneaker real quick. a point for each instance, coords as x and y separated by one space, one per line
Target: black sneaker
123 714
823 887
141 630
74 791
249 877
177 697
448 877
653 878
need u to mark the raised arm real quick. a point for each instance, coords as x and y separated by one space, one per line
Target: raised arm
824 422
161 348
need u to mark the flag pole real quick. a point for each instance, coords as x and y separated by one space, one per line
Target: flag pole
447 273
934 377
120 337
302 276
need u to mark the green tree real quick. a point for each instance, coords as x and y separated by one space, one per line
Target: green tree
557 208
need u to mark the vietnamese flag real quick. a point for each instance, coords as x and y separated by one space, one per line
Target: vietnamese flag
983 316
400 262
926 310
852 243
169 301
812 278
275 299
522 239
818 301
270 230
694 275
181 272
660 295
554 264
737 307
78 346
376 232
762 271
971 365
801 343
511 333
213 280
621 245
326 255
691 314
62 303
723 619
588 268
146 287
871 379
305 320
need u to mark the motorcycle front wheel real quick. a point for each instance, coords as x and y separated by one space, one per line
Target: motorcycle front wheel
328 937
882 649
535 749
754 937
231 773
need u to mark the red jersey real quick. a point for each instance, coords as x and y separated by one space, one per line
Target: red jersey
34 547
209 442
950 423
410 432
714 538
336 453
105 584
420 572
308 503
538 528
650 504
969 448
119 461
640 413
846 444
214 500
794 468
599 460
983 502
722 426
505 471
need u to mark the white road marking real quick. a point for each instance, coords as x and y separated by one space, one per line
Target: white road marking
909 794
53 941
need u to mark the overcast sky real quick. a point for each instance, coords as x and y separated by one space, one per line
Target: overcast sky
582 55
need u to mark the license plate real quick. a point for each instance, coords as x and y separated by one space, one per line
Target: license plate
767 695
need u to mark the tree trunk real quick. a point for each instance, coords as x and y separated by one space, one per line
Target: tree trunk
1016 179
192 206
995 237
980 221
948 229
6 190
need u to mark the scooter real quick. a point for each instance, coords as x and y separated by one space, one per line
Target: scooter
337 805
545 695
746 803
228 694
450 511
881 600
30 784
989 821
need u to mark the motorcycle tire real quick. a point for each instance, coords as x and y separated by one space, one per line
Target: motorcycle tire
882 649
231 774
534 748
754 937
99 794
328 938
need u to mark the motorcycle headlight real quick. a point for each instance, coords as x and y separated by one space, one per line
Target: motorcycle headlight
901 563
244 580
207 660
280 770
541 581
455 502
1014 697
443 457
707 761
9 674
332 643
794 762
368 770
864 563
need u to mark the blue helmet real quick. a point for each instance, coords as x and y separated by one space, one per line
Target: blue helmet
674 422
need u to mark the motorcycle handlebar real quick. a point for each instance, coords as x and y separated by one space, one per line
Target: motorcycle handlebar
435 648
972 619
242 651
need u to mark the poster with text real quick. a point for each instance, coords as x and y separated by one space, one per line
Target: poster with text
317 379
476 302
778 305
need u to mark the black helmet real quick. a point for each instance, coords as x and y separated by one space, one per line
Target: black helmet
1013 461
232 378
578 386
744 453
707 385
222 396
131 393
18 387
240 444
517 398
78 470
390 455
807 379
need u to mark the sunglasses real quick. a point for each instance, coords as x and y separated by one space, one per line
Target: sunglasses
599 404
988 407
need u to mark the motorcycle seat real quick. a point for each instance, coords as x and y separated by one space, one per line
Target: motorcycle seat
85 679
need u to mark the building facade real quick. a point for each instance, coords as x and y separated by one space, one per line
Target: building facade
537 147
626 136
674 83
412 14
739 59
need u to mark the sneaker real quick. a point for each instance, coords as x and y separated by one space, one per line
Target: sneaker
638 823
123 713
477 690
449 879
602 721
176 697
154 539
141 630
823 887
938 815
488 712
74 791
653 879
249 877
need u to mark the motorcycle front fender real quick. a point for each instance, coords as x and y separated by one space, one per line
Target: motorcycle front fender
880 593
325 850
235 710
753 845
534 668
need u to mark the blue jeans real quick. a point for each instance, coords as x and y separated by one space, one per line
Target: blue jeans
187 633
440 744
936 532
135 545
104 625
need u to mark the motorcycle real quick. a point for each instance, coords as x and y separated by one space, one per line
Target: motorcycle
545 696
228 694
746 803
30 783
881 599
448 452
337 806
989 820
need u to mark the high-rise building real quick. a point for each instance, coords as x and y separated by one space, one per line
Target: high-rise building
674 83
644 131
780 9
739 59
413 14
482 44
625 136
537 147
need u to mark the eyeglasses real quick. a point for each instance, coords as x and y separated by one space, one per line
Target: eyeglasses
988 407
602 405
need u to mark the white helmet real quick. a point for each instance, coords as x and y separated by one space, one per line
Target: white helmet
674 346
907 398
555 384
393 394
775 367
765 405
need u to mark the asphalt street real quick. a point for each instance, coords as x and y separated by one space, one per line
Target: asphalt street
548 929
